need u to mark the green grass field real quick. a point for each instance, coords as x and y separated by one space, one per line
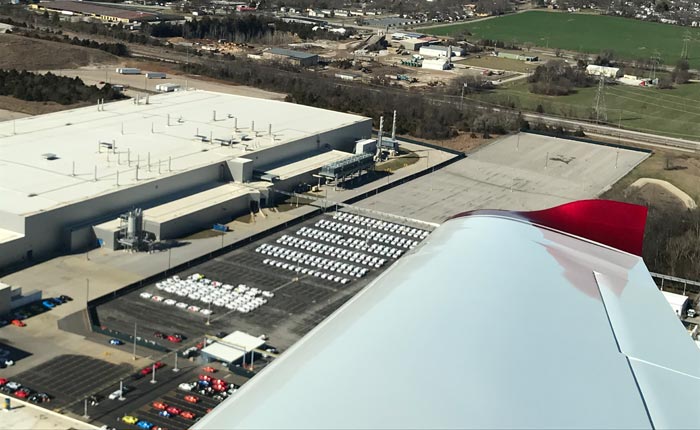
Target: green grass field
674 113
629 38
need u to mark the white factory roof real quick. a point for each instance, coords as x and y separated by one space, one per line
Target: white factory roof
195 202
9 235
308 164
233 347
580 337
73 136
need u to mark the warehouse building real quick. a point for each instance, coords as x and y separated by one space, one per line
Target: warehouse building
188 159
442 51
295 57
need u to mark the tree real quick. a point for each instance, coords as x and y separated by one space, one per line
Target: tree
681 74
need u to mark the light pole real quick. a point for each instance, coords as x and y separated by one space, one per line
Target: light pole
208 313
176 369
85 412
153 374
87 292
135 341
169 249
121 390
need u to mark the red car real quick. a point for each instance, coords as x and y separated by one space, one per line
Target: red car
205 378
187 414
160 406
192 399
22 393
146 370
209 369
159 364
18 323
172 410
174 339
3 381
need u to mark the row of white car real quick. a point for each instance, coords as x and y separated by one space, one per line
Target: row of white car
305 270
298 257
350 242
331 251
196 287
173 302
374 235
377 224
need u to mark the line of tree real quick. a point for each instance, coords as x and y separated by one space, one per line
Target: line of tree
556 78
118 49
49 87
419 114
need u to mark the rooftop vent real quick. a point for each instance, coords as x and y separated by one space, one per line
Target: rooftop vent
50 156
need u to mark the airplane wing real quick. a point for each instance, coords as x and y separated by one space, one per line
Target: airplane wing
497 320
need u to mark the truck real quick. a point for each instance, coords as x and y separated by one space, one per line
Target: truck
156 75
128 71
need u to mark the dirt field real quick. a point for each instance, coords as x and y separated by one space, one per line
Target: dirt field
680 169
12 104
17 52
495 63
463 142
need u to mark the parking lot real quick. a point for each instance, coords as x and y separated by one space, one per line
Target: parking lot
67 378
282 286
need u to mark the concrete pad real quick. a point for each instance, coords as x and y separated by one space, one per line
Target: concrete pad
520 172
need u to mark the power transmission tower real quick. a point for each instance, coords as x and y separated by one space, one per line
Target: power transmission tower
686 39
600 110
655 61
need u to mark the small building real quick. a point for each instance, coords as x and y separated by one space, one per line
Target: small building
441 51
511 56
436 64
607 72
232 347
296 57
413 44
679 303
12 298
366 146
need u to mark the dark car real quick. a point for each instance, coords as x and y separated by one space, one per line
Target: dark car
159 335
65 298
40 398
58 300
95 399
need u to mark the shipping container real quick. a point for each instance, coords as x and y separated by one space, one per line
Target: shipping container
155 75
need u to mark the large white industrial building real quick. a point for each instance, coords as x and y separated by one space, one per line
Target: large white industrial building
188 159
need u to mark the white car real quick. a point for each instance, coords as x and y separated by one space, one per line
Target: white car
193 308
206 312
187 386
181 305
145 295
157 298
115 395
170 302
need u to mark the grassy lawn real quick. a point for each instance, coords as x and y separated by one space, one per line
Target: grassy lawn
673 112
629 38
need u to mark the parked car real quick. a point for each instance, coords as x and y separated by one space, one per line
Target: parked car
145 425
18 323
191 399
65 298
159 364
160 406
23 393
174 339
159 335
95 400
174 410
12 385
39 398
165 414
187 386
3 381
209 369
130 419
115 342
188 415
